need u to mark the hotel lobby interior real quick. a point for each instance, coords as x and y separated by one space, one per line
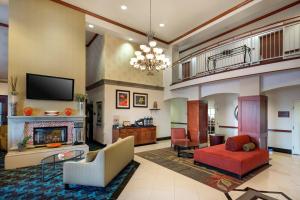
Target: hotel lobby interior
149 99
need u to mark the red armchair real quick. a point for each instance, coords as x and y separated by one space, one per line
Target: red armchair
178 134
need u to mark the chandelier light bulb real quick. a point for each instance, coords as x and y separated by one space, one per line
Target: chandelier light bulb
137 53
150 56
147 49
136 66
152 43
159 50
142 46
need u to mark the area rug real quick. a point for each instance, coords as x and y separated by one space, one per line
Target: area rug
167 157
26 183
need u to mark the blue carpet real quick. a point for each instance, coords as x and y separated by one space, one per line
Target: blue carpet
26 183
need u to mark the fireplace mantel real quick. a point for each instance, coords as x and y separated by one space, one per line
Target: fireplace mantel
46 118
16 125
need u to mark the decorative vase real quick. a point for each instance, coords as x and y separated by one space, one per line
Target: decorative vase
13 105
27 111
21 147
81 108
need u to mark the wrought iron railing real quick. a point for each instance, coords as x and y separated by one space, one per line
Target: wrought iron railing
272 45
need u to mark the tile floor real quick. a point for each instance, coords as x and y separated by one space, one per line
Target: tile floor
153 182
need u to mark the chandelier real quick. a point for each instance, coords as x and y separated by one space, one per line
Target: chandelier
150 57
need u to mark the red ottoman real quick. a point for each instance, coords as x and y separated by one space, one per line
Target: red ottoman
238 162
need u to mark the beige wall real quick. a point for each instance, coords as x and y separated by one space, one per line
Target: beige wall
108 58
46 38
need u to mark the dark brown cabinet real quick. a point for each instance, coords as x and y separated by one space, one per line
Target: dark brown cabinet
142 135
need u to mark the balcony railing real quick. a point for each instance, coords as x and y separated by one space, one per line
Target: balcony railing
270 45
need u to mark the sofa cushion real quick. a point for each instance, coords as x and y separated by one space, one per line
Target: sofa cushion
91 155
236 143
249 146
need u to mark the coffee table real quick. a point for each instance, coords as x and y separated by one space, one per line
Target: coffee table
54 159
184 148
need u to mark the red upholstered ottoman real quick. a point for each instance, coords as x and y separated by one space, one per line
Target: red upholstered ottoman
237 162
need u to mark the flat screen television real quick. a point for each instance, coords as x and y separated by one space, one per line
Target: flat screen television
49 87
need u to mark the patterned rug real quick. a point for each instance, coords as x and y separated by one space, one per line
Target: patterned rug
167 157
26 183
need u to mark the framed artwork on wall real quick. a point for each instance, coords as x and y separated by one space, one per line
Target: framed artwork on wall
122 99
99 113
140 100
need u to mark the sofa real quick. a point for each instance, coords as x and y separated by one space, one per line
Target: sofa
238 163
108 162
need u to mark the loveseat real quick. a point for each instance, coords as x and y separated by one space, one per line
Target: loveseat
106 165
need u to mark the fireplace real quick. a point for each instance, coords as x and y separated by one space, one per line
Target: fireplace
48 135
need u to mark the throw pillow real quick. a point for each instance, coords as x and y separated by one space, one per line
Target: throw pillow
249 146
91 155
236 143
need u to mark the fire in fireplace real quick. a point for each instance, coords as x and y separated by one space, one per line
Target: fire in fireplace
48 135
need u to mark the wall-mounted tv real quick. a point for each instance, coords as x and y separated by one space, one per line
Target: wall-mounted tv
49 87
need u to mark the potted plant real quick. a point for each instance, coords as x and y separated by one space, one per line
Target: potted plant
80 98
22 145
14 95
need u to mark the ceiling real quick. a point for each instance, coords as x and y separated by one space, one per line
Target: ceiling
178 16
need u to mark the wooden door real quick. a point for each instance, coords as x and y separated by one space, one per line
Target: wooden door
186 70
197 118
253 119
3 109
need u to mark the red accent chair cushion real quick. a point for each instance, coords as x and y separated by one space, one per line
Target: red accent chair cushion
237 162
236 143
178 135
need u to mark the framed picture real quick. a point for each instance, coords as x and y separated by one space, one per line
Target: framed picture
99 113
140 100
122 99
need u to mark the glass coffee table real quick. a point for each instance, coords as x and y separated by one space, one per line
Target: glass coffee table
185 148
51 162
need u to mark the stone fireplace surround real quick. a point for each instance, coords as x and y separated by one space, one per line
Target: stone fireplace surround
19 126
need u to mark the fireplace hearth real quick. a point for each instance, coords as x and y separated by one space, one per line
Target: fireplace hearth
48 135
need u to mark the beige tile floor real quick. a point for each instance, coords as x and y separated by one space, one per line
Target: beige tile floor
153 182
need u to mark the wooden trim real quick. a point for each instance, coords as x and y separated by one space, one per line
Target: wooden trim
104 19
288 151
280 130
182 123
232 127
3 81
163 138
92 40
212 20
243 25
3 25
122 83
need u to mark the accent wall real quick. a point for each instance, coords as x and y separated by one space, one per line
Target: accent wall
49 39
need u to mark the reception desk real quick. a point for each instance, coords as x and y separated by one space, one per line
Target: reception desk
142 135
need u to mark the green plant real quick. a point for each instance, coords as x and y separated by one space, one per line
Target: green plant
80 97
25 140
13 85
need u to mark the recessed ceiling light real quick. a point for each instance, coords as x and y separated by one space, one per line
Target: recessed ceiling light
91 26
123 7
162 25
130 39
